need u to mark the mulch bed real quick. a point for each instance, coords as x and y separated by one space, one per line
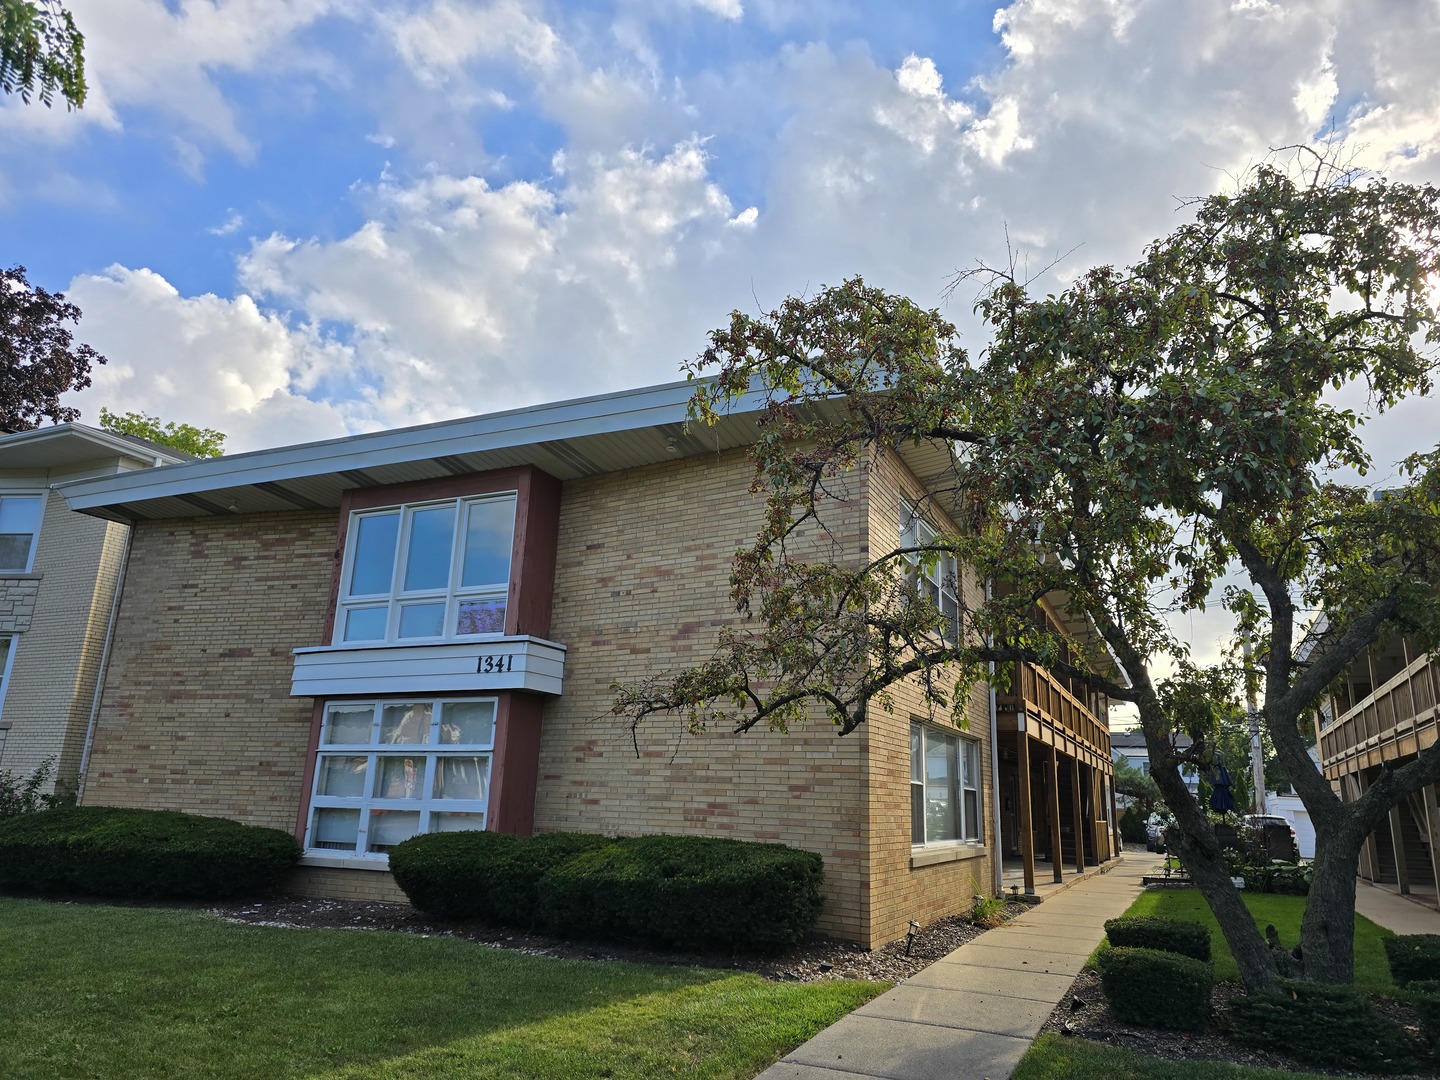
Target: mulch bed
815 958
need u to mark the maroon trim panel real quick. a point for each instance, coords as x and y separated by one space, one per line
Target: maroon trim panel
302 815
515 768
532 559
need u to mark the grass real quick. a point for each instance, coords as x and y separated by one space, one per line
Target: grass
1077 1059
92 991
1372 972
1053 1058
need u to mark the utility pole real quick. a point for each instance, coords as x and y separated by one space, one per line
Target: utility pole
1257 759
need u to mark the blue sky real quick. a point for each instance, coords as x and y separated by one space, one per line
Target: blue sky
293 220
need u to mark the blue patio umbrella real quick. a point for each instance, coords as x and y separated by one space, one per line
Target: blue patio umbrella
1221 800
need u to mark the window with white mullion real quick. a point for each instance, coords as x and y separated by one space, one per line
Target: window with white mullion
946 801
935 577
428 571
388 770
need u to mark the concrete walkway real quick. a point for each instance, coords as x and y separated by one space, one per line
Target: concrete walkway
1395 912
972 1015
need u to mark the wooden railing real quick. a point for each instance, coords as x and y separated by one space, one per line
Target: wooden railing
1042 692
1394 711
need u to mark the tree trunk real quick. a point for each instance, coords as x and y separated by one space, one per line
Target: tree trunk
1201 854
1327 931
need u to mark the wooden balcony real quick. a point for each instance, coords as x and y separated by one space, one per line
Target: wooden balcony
1064 720
1398 719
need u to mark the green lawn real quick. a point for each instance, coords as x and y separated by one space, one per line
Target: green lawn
1077 1059
1372 973
95 992
1054 1058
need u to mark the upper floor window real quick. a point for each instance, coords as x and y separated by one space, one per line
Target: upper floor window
19 526
432 570
936 578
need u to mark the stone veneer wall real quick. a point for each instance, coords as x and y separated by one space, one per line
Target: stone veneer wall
59 615
899 892
642 588
196 714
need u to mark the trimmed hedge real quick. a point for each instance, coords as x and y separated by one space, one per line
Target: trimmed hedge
1413 956
688 892
675 891
1326 1025
1190 939
142 854
1155 988
483 875
1425 996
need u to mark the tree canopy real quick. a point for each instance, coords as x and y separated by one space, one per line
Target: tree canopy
39 358
198 442
1126 444
41 52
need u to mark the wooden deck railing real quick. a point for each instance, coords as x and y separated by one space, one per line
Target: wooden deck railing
1042 692
1396 710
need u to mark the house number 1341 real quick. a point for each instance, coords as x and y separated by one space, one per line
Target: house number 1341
495 665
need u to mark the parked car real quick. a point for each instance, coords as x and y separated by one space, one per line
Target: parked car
1275 834
1155 834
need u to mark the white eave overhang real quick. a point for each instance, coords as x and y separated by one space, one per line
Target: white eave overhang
68 446
568 439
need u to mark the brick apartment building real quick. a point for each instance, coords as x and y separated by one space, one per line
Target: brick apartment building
58 576
418 630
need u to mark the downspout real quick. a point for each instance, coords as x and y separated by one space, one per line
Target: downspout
104 664
998 859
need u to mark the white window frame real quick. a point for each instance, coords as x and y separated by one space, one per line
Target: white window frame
427 754
937 578
39 500
394 601
965 793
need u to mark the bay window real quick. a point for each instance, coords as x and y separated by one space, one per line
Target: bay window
389 770
945 803
427 571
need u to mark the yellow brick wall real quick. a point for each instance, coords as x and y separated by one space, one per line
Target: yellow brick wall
642 589
196 713
59 615
342 883
899 892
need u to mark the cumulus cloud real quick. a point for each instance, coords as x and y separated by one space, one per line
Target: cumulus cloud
208 361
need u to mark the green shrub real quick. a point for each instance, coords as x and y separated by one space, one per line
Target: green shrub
1325 1025
1425 996
1264 875
483 875
141 854
686 891
1156 988
1413 956
448 875
1167 935
22 795
515 890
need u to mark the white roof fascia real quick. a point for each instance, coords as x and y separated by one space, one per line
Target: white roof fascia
104 441
578 418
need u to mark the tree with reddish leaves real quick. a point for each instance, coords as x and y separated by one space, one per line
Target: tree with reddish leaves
39 358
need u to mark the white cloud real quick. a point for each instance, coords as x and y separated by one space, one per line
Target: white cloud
233 222
208 361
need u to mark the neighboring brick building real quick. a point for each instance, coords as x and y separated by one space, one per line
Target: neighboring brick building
418 630
58 573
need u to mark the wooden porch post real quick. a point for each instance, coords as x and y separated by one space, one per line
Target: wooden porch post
1057 860
1077 823
1027 830
1117 842
1397 842
1427 795
1369 854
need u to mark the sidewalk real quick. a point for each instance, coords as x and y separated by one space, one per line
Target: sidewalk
974 1014
1395 912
